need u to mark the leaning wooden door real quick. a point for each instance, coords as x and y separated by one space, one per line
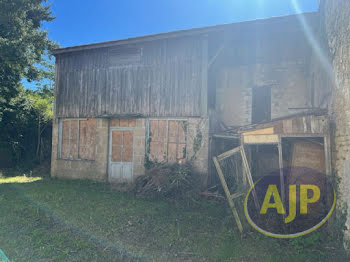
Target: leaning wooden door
121 154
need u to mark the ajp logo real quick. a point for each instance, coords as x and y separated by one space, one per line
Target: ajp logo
306 203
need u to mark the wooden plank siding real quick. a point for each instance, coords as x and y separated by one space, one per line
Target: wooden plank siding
160 79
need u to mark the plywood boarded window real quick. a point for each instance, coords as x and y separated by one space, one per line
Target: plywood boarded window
123 122
87 139
78 139
122 146
167 140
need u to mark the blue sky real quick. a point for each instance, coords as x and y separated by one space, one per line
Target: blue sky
90 21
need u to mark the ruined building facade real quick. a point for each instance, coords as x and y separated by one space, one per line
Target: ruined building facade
186 95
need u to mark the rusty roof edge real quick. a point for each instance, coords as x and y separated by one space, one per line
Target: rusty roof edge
178 33
320 112
240 129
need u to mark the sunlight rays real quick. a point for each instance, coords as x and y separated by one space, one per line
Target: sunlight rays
18 179
313 41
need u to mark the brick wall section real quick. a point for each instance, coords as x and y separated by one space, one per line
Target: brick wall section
337 26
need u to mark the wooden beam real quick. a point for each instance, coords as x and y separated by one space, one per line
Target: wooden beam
236 195
260 139
249 177
280 159
204 87
327 151
228 194
228 153
263 131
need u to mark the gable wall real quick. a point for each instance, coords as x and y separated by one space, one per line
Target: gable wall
280 59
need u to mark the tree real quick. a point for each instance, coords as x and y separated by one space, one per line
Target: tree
26 123
41 100
25 54
42 107
23 45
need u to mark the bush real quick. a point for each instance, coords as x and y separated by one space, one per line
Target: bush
170 181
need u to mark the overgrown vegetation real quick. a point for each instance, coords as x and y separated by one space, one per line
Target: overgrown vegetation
26 128
25 114
57 220
197 143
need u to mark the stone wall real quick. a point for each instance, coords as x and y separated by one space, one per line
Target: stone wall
197 146
196 150
139 147
335 16
289 82
277 58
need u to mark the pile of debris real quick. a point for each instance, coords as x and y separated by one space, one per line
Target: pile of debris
168 181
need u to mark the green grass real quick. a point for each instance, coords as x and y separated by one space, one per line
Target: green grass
58 220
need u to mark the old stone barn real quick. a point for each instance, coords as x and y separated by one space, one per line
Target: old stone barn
278 86
186 95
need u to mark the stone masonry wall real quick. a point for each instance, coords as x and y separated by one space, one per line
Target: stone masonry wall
139 147
197 146
335 14
287 80
196 150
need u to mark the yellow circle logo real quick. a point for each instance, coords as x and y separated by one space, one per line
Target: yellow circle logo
299 205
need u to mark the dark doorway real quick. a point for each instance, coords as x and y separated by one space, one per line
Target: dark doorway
261 104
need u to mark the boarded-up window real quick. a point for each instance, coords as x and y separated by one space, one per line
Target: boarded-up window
167 140
78 139
87 139
69 147
123 122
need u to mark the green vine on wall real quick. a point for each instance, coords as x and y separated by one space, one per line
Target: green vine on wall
196 146
197 143
148 162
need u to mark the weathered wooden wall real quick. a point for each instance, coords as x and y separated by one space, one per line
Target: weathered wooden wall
155 78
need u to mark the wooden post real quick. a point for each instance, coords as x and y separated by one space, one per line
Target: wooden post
228 194
249 177
327 150
280 158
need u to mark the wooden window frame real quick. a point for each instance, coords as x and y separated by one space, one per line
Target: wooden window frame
60 140
167 133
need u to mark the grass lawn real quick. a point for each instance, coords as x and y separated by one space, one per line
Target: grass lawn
59 220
